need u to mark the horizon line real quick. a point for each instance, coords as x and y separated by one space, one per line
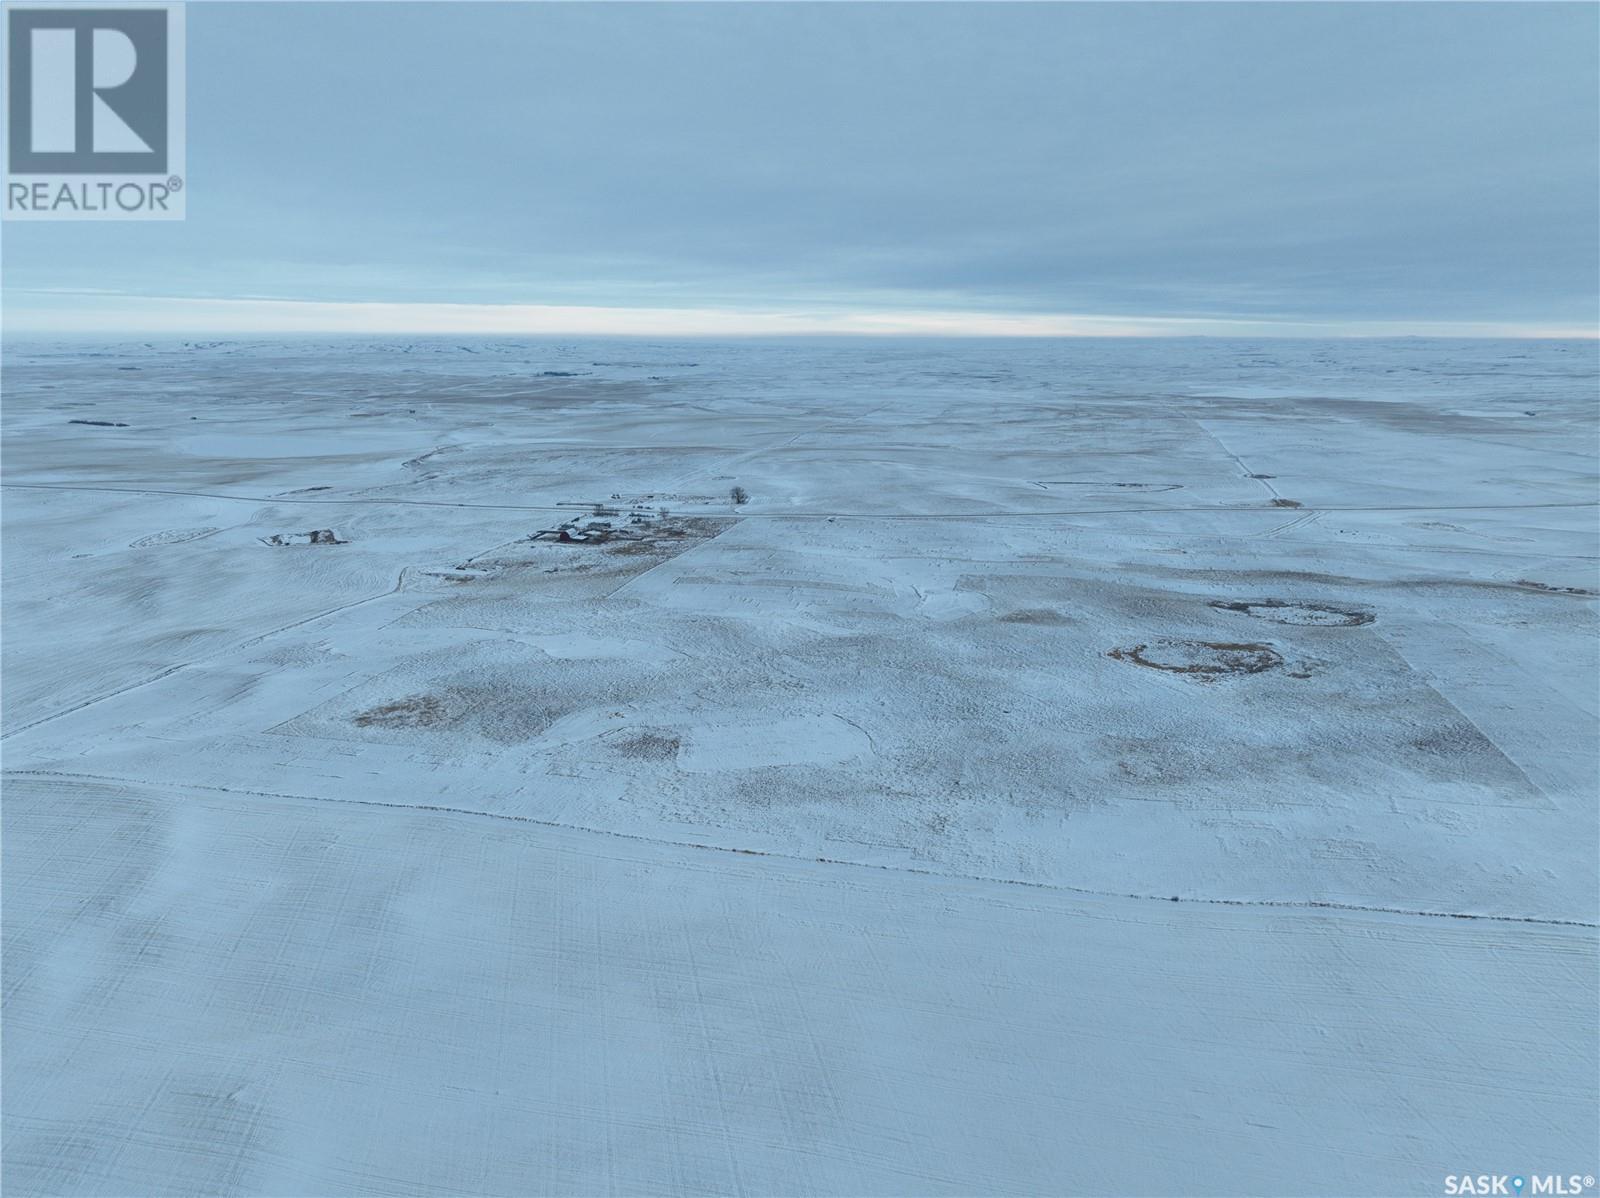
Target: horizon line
109 313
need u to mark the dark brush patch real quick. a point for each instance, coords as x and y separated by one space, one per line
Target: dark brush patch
1205 660
418 711
1034 615
648 746
1304 615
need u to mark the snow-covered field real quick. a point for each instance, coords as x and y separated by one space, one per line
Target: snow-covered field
1126 767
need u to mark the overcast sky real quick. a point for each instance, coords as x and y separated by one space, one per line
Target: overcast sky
974 167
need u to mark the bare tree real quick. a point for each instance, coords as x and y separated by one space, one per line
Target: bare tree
739 495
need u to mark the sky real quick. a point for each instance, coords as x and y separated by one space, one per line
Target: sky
944 168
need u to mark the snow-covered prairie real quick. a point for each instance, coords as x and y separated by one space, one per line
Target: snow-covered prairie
1124 767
